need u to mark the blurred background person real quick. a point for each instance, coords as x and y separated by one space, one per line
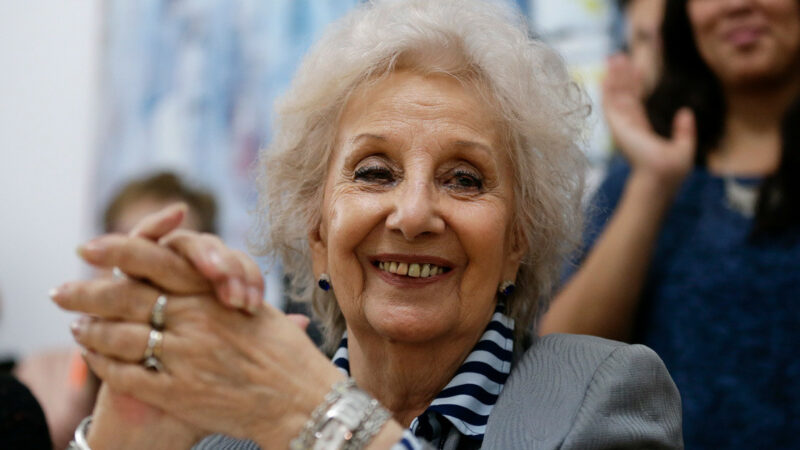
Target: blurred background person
151 193
22 422
695 247
59 378
643 39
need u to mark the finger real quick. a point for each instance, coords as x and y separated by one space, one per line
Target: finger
124 341
214 260
202 250
131 379
127 300
684 133
254 282
299 320
158 224
615 68
141 258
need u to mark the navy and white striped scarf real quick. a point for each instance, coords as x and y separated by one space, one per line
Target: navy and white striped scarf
469 397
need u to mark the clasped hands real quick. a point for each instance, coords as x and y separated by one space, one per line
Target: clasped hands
232 363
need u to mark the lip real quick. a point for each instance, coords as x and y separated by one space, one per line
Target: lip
744 36
405 281
406 258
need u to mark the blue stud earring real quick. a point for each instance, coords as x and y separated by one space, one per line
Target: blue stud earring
324 282
506 288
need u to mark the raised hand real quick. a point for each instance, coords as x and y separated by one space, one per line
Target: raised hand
251 376
667 160
232 275
211 352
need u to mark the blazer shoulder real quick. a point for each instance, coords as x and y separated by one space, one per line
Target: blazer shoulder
571 391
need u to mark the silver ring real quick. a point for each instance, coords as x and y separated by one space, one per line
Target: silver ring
155 343
118 274
154 364
157 314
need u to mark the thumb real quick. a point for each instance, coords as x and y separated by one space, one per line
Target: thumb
684 130
299 320
158 224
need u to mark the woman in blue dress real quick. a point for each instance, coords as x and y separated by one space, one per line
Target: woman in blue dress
694 248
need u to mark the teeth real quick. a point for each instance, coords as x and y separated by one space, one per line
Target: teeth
415 270
426 270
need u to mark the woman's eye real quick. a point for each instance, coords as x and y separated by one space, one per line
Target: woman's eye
462 179
374 174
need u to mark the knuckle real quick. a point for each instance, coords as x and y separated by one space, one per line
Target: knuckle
183 235
132 302
115 340
96 334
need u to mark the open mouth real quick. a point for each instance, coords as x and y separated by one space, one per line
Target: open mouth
414 270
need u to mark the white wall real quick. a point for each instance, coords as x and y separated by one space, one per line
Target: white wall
49 52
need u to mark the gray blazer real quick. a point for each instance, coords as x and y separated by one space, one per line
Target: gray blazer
582 392
572 392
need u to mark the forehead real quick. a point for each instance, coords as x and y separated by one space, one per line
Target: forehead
407 105
132 213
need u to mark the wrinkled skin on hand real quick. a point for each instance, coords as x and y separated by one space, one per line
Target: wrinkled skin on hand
226 367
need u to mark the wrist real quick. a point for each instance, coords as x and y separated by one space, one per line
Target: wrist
347 419
121 422
654 189
292 422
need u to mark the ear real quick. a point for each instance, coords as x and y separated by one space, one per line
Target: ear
518 248
318 243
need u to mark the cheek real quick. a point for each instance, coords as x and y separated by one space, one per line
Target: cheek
346 231
483 234
701 18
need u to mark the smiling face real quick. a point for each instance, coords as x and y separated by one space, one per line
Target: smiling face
416 219
748 41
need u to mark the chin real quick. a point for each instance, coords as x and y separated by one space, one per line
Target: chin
409 324
756 70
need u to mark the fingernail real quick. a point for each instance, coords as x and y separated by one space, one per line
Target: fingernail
254 298
58 293
217 261
92 250
78 326
236 293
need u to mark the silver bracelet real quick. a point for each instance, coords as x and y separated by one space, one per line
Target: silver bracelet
347 420
79 441
306 438
375 419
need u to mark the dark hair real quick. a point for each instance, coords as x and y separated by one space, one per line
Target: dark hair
163 186
686 81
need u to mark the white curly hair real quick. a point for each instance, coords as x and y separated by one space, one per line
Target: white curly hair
485 44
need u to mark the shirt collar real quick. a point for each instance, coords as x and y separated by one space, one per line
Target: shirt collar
469 397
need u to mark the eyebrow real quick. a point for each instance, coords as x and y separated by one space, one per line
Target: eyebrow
458 143
472 144
367 137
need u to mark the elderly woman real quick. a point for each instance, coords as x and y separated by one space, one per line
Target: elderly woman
422 190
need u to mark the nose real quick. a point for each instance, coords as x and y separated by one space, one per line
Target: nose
737 6
415 212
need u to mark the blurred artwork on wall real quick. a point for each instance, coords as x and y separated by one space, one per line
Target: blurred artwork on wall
189 85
